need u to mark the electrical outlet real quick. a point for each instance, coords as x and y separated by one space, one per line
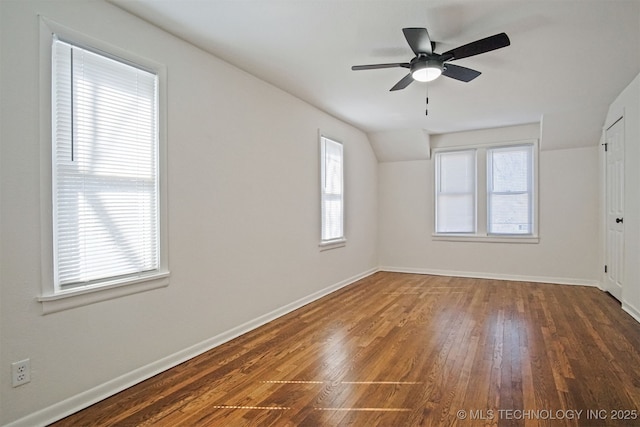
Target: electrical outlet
20 372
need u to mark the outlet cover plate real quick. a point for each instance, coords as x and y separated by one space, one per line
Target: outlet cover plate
20 372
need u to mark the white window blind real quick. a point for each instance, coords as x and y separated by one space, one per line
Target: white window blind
456 191
332 189
510 190
105 168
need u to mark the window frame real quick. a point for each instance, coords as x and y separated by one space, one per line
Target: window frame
340 241
482 200
51 297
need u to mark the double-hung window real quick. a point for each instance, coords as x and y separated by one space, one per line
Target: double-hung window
331 190
510 190
486 193
456 192
106 225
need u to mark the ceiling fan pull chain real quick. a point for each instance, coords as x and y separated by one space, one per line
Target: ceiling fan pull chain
426 111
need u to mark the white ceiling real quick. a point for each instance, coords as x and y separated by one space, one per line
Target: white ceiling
567 61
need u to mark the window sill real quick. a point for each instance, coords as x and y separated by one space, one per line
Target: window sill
484 239
72 298
332 244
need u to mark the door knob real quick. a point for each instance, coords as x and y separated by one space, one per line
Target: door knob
619 220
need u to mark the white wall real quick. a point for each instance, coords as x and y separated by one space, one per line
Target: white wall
627 104
568 218
243 216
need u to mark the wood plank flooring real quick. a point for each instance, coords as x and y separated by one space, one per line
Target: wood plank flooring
408 350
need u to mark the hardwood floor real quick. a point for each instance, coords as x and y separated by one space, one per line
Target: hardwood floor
408 350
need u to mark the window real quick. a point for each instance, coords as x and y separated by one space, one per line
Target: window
105 157
486 193
332 200
509 190
456 192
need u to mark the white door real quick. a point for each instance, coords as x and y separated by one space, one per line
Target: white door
614 187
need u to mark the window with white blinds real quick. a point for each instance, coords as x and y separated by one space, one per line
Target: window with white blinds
105 168
486 193
455 194
510 190
332 200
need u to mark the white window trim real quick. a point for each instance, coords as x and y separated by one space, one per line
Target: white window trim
339 242
325 245
481 234
54 300
484 238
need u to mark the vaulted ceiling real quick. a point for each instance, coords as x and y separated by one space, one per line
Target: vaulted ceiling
567 61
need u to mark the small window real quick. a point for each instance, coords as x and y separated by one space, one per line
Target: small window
105 169
332 198
510 190
456 192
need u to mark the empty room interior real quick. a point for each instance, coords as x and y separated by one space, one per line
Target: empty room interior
319 213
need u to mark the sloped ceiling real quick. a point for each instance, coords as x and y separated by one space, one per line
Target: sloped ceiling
567 61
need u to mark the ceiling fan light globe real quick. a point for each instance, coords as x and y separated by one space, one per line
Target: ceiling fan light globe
426 71
426 74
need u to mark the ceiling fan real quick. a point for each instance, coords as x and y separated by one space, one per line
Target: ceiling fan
428 65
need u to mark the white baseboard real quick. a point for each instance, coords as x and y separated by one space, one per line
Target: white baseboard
476 275
83 400
633 312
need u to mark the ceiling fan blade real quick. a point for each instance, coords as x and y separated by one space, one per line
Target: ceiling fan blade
404 82
477 47
418 39
378 66
457 72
